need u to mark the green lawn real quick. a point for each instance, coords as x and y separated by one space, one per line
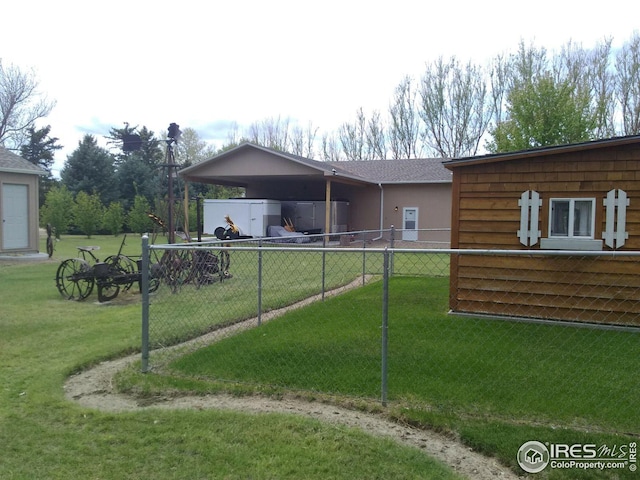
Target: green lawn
44 338
493 384
496 384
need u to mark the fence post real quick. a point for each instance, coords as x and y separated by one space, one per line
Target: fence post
259 282
385 325
144 290
392 241
364 259
324 263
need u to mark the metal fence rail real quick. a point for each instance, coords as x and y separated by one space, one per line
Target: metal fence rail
375 322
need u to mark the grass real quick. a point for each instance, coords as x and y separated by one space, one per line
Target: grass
496 384
44 338
444 373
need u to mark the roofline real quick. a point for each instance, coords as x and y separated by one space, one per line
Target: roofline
286 156
414 182
542 151
23 170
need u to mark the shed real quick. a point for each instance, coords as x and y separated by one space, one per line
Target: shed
19 229
412 194
578 197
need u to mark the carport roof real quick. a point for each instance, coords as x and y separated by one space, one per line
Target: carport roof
426 170
10 162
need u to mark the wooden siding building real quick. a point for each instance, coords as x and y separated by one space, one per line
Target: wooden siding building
582 197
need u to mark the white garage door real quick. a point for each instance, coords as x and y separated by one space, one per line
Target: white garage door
15 216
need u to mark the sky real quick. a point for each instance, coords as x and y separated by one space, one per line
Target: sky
210 65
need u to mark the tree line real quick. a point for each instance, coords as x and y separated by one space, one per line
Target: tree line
525 99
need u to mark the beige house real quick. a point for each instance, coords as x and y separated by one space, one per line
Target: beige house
19 179
413 195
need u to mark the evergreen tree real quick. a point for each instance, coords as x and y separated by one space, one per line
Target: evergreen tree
90 169
40 150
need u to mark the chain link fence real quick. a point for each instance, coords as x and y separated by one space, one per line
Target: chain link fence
358 316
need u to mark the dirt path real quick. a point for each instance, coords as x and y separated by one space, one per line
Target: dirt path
94 389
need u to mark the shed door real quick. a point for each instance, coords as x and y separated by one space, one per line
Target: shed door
15 216
410 224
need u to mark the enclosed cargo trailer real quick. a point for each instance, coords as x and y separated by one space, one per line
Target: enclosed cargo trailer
251 216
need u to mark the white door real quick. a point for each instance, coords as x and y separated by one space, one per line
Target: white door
15 216
410 224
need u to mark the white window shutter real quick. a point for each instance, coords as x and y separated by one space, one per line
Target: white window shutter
529 213
615 233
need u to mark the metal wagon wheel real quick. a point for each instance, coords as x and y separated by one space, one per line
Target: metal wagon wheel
122 265
74 279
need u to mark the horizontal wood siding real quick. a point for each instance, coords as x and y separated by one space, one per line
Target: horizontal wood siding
588 289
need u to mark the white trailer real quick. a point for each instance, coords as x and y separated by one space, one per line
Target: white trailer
251 216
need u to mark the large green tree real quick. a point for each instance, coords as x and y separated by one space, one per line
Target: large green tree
540 113
90 169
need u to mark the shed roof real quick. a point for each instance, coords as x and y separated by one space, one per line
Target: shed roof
543 151
10 162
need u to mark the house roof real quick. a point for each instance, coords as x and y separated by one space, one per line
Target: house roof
543 151
10 162
427 170
412 170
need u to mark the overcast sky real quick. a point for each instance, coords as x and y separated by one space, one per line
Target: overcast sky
210 64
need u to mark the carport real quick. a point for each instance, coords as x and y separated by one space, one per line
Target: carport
270 174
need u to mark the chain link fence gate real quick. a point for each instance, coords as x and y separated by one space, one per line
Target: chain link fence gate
376 323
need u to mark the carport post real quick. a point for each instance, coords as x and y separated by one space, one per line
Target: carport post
260 282
385 325
144 288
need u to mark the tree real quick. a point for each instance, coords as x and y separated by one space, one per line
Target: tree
87 213
138 218
114 218
543 113
404 130
90 169
628 87
21 105
40 150
454 107
330 148
57 209
353 137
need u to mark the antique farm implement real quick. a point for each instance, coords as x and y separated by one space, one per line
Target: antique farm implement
77 277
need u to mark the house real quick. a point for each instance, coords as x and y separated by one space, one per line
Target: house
583 197
413 195
19 232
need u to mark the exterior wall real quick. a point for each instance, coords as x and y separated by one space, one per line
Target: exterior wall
434 210
31 181
486 215
432 200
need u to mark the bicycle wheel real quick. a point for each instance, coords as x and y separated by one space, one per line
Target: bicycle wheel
74 279
124 270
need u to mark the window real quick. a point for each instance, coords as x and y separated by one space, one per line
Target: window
572 218
572 224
